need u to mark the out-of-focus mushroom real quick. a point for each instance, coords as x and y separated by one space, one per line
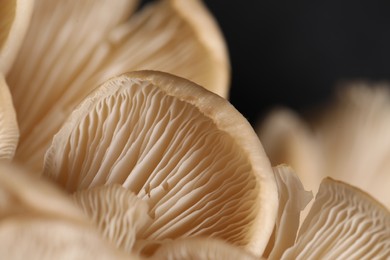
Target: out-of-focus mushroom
343 222
14 20
348 140
9 130
186 151
201 249
40 221
117 212
288 139
72 47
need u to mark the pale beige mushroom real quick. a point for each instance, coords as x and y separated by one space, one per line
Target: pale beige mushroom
201 249
186 151
120 216
72 47
288 139
348 139
293 199
343 222
9 130
117 212
40 221
14 20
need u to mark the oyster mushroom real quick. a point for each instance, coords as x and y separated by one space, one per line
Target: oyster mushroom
9 130
116 211
201 248
292 201
343 222
186 151
120 215
288 139
349 223
71 47
39 221
348 140
14 19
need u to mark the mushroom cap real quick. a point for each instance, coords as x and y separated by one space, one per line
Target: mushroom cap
344 222
353 134
117 212
72 47
9 130
288 139
293 199
40 221
14 20
185 150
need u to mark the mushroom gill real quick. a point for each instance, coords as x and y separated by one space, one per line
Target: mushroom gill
14 20
201 248
117 213
293 199
9 130
39 221
343 223
186 151
72 47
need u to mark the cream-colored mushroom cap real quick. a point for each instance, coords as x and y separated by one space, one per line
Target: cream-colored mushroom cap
117 212
9 130
343 223
73 46
40 221
185 150
288 139
293 199
14 20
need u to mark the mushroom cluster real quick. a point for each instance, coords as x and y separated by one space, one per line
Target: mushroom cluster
118 141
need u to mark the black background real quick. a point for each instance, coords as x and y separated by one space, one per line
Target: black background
293 53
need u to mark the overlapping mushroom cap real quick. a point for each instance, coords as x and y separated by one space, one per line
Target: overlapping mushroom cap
14 19
343 222
186 151
38 221
73 46
161 166
9 130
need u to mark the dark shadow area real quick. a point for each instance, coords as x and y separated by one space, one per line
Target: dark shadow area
293 53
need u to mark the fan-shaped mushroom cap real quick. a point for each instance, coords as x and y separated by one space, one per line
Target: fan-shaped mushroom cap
72 47
343 223
117 212
14 19
38 221
185 150
9 131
